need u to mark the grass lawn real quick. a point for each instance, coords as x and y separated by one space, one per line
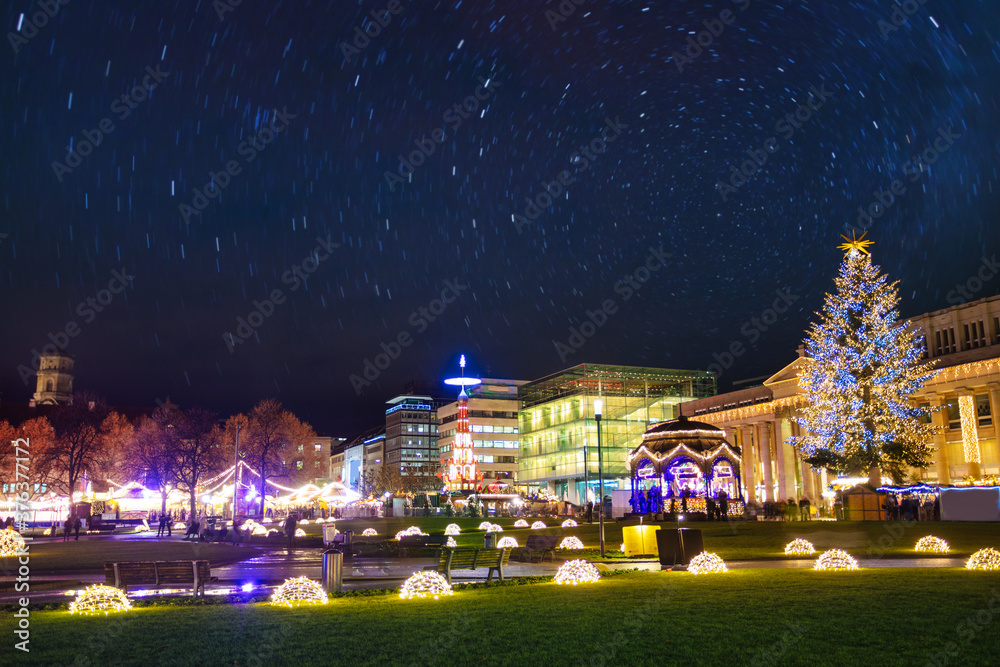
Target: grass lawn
737 540
901 616
91 554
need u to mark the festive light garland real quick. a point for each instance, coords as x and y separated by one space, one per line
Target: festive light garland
571 542
520 523
369 532
799 547
574 572
452 529
424 585
507 543
299 590
568 523
11 543
100 599
932 544
538 525
984 559
412 530
707 563
970 428
836 559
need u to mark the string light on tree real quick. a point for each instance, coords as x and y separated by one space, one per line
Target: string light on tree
861 367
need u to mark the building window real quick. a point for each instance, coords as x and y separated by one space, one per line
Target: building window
298 464
48 386
975 335
983 410
302 448
954 418
319 447
996 330
926 417
945 339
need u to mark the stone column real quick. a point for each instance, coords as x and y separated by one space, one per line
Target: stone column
790 458
762 440
940 420
747 464
994 389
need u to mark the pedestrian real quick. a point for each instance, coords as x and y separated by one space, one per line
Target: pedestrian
76 529
67 526
590 511
290 525
170 524
710 507
723 505
805 509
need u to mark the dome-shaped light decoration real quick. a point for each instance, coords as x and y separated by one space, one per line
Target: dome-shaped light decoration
425 585
11 543
272 531
180 525
984 559
569 523
495 528
299 532
300 590
799 547
259 530
412 530
577 572
369 532
538 525
507 543
934 545
485 525
452 529
836 559
246 525
707 563
100 599
571 542
520 523
304 522
451 543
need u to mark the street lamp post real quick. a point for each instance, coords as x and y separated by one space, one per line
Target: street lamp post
236 479
598 409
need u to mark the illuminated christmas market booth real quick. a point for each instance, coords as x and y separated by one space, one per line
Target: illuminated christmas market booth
684 466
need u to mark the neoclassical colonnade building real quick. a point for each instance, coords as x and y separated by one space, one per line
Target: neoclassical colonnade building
963 341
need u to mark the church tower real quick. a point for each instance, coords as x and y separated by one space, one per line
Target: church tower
55 380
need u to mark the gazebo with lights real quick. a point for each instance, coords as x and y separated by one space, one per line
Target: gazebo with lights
684 462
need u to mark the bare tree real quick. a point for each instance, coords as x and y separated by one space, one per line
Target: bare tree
272 434
78 442
195 442
149 456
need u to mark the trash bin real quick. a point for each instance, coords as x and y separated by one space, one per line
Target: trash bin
490 540
333 571
691 543
668 544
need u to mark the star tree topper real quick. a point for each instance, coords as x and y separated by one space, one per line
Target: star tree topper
852 244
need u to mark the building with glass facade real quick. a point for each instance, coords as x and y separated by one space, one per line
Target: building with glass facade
411 434
558 432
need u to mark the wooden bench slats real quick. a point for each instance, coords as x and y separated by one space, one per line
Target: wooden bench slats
157 573
471 559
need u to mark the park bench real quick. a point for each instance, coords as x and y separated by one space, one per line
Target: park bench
418 541
540 544
158 573
471 559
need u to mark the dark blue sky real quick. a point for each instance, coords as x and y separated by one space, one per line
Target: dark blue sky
316 187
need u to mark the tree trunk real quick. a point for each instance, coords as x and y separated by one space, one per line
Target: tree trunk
163 500
194 499
875 477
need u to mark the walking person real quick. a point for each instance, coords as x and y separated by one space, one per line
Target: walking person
170 524
290 525
67 527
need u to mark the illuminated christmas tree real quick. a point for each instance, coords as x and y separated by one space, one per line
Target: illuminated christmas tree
861 367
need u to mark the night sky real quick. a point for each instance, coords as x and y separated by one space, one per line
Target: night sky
886 95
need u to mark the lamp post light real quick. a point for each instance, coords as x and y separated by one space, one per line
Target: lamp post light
598 409
236 480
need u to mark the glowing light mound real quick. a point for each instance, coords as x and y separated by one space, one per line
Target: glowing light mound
452 529
571 543
299 532
304 522
707 563
11 542
934 545
100 599
451 543
246 525
300 590
984 559
520 523
262 530
507 543
180 525
569 523
494 528
574 572
538 525
412 530
425 585
485 525
836 559
369 532
799 547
